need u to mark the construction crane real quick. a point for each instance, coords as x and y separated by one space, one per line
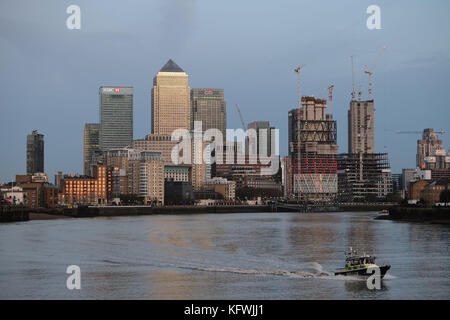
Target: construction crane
369 71
330 97
418 132
240 116
353 79
297 71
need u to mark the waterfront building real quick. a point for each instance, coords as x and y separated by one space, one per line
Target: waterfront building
312 150
431 192
91 144
364 177
88 190
209 107
222 186
35 152
170 100
116 117
177 172
178 192
139 173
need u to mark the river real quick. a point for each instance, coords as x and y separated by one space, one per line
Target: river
221 256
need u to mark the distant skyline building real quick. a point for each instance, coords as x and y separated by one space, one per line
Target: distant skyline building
170 100
209 107
116 117
262 125
361 136
428 148
91 144
35 152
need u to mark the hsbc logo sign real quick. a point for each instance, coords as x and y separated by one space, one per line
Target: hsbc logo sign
117 90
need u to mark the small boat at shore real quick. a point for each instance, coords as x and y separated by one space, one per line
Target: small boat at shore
357 265
384 211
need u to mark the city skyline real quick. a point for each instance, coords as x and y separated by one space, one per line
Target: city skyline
397 92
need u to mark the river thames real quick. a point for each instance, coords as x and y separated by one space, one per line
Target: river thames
221 256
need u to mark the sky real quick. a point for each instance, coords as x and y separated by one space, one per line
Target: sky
50 75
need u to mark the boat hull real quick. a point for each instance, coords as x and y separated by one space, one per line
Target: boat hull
363 272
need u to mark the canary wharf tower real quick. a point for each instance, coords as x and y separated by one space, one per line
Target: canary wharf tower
116 117
171 108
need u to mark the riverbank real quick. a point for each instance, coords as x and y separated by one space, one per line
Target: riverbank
417 214
112 211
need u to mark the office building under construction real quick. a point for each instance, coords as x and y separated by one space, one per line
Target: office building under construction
312 151
364 177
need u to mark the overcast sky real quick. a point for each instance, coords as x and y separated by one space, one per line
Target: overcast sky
50 75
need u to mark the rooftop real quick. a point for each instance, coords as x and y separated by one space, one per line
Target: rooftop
171 66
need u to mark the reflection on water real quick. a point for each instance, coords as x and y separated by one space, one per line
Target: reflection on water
221 256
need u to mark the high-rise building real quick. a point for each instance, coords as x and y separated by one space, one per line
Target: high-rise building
91 144
312 151
35 152
361 127
428 147
171 107
209 107
116 117
260 127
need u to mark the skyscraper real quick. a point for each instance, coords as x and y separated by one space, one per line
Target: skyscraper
361 125
91 143
262 125
116 117
427 147
170 97
209 107
313 150
35 152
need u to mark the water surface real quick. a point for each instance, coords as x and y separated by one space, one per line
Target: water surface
221 256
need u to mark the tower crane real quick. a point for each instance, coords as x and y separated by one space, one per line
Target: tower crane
297 71
330 97
353 79
240 116
418 132
369 71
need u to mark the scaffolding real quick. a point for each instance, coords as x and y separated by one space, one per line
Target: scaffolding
312 151
363 177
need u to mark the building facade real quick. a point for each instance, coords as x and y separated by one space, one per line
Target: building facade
35 152
427 147
170 100
364 177
209 107
161 143
312 151
361 136
116 117
91 144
